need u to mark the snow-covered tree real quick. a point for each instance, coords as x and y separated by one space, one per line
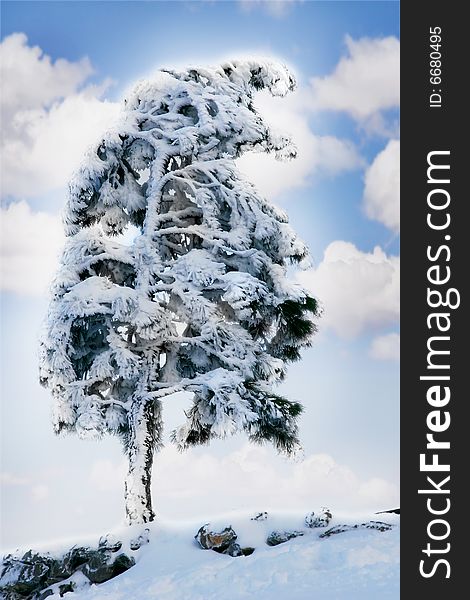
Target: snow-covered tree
198 299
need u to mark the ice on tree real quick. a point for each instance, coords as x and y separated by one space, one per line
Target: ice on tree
200 300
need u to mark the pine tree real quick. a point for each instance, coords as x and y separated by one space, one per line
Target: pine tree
199 300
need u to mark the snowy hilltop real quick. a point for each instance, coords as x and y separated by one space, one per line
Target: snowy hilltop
237 556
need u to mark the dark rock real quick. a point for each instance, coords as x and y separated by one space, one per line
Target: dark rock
29 576
378 525
76 557
209 540
59 570
121 564
109 542
66 587
320 519
392 511
262 516
23 576
279 537
100 567
338 529
97 568
140 541
223 542
233 549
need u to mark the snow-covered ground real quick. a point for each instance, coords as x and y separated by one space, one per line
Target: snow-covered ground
355 565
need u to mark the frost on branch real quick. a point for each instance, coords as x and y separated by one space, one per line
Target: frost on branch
199 300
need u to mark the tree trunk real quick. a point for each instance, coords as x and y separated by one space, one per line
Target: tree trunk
144 429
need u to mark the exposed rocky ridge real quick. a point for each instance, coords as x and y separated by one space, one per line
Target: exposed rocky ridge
35 576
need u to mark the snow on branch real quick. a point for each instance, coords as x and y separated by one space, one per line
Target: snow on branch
198 298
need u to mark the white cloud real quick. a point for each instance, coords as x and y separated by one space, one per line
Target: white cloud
49 120
358 290
255 476
324 154
50 144
32 80
364 83
252 477
382 187
29 248
386 347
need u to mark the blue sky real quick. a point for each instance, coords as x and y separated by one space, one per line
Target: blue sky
126 39
340 198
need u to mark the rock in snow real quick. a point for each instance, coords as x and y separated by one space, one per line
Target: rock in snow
109 542
279 537
223 542
101 567
378 525
210 540
140 540
262 516
31 575
320 519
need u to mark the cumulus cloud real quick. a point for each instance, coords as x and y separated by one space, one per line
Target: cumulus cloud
252 477
382 187
52 116
49 117
32 80
358 290
386 347
29 248
365 82
316 154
